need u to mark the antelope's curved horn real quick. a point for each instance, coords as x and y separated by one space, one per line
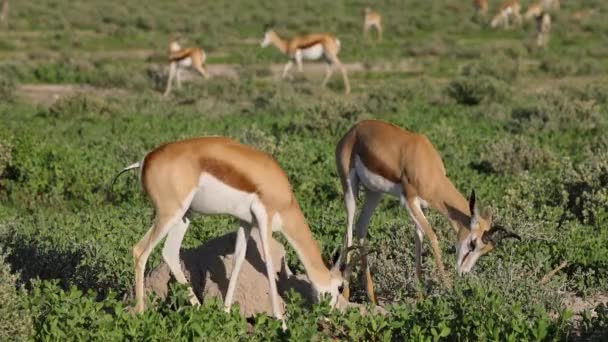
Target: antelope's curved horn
497 233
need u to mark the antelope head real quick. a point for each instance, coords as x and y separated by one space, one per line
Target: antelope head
479 238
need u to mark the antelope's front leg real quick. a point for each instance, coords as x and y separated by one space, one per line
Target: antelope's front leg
178 78
299 60
172 70
372 199
287 68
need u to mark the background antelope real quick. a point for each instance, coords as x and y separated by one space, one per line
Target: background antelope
543 29
533 11
183 58
481 7
385 159
4 12
508 11
215 175
372 19
312 47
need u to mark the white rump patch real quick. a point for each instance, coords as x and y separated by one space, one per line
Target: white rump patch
374 181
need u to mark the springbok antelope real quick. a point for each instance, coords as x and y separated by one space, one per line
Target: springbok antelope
533 11
509 9
216 175
386 159
182 58
543 29
481 7
312 47
4 11
372 19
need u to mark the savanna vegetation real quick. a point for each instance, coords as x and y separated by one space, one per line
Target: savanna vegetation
525 127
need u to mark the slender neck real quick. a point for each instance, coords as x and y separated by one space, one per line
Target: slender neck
297 232
278 42
452 204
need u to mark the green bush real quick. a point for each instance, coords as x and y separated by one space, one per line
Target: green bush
513 154
7 88
15 319
499 66
554 112
475 90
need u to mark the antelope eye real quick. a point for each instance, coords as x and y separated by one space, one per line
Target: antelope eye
472 245
340 288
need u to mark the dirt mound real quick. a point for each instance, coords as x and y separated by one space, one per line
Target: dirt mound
208 268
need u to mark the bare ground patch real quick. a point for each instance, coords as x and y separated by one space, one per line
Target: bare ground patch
47 94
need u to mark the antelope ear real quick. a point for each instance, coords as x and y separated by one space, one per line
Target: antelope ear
472 204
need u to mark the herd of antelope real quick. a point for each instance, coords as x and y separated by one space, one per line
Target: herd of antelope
324 46
510 12
219 176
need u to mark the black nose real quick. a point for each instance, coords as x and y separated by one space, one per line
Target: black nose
472 245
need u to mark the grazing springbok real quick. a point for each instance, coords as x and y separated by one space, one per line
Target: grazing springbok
183 58
313 46
539 12
481 7
533 11
543 29
372 19
385 159
214 176
4 12
508 11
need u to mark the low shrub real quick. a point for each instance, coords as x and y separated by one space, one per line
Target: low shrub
513 154
554 112
477 89
498 65
7 88
15 318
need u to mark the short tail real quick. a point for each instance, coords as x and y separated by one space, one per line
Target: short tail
338 44
130 167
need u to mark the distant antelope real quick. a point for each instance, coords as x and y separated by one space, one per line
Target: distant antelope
385 159
219 176
508 11
533 11
481 7
372 20
4 12
182 58
312 47
543 29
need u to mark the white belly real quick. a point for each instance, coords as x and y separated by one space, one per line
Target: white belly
186 62
374 181
214 197
314 52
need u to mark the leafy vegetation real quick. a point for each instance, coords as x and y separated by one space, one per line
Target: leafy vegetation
524 127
